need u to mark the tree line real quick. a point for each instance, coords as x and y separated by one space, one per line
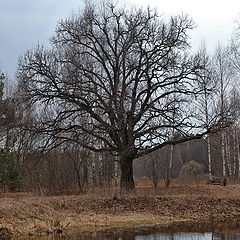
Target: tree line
116 84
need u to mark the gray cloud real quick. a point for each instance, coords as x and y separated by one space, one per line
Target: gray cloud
24 23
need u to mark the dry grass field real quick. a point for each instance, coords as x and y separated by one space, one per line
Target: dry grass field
27 213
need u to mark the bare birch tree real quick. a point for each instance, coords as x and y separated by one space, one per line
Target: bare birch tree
224 77
207 112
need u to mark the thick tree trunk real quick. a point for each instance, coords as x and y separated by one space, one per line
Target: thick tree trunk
170 168
126 182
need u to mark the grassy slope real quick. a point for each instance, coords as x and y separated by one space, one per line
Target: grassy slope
25 213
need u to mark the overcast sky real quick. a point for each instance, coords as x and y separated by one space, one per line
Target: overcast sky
25 23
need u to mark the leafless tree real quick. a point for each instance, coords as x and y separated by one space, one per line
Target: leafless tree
206 101
124 70
224 76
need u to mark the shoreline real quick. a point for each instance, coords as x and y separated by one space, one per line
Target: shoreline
126 230
31 215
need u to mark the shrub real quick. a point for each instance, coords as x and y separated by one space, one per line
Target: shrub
192 169
9 169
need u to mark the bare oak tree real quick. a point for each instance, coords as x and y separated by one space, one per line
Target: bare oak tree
127 71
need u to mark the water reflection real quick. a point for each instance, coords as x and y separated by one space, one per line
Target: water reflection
160 236
190 236
189 233
177 236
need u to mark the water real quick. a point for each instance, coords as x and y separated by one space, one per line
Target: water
191 236
157 236
226 230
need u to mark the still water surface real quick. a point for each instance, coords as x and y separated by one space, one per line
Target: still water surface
220 230
191 236
159 236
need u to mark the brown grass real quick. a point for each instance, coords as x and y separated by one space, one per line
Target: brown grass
24 213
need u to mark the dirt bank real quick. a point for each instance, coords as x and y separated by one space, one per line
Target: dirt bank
23 213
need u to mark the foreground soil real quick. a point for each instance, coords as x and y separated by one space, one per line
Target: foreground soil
28 214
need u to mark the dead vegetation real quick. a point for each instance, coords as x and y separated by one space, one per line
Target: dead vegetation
23 213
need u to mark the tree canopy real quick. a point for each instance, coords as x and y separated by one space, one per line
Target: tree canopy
117 80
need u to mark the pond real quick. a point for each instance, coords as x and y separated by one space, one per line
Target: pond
226 230
159 236
191 236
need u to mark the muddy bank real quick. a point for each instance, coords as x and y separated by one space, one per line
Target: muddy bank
26 214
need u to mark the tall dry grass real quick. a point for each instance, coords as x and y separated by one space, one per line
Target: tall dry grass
30 213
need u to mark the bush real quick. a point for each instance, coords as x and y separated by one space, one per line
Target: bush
9 169
192 169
